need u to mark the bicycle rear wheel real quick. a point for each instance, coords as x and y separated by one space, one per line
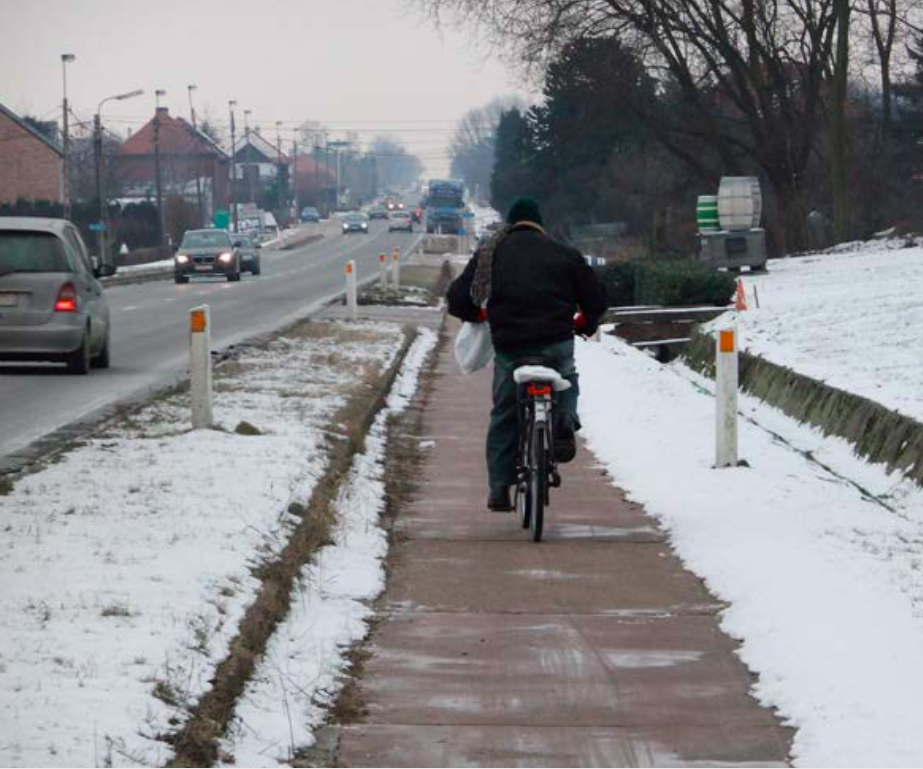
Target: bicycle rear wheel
538 482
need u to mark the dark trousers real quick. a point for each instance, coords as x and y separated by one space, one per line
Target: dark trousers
503 434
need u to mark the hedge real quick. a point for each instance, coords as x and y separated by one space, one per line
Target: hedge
666 282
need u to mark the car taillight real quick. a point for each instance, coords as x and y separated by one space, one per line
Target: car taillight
67 299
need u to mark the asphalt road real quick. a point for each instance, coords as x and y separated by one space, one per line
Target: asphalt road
150 330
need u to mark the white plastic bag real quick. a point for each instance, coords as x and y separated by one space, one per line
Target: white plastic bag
474 348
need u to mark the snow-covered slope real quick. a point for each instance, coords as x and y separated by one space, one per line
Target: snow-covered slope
852 317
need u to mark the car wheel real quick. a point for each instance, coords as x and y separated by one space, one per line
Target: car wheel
102 359
233 277
256 267
180 279
78 362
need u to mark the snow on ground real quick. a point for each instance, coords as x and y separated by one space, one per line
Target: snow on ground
853 319
126 565
302 670
824 581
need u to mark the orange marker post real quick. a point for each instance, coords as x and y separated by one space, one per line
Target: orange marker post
200 367
726 398
352 291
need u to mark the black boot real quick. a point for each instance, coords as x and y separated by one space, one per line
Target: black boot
499 500
565 440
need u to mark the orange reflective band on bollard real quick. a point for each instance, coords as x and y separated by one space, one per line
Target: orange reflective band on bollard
382 257
726 341
349 268
197 323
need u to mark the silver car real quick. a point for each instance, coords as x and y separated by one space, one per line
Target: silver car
52 306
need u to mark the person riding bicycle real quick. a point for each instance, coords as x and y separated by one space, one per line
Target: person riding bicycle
529 287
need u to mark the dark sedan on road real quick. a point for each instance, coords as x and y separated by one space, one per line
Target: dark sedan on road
52 306
310 214
355 223
214 252
378 212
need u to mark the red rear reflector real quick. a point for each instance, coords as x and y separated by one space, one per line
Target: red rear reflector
67 299
539 390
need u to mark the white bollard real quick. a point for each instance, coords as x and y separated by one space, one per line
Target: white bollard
200 367
726 398
383 272
396 268
352 292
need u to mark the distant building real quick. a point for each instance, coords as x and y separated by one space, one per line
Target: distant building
258 163
185 155
31 164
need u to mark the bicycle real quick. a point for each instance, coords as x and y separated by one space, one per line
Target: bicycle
537 471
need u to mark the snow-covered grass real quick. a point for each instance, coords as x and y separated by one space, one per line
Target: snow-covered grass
853 319
301 672
817 553
126 566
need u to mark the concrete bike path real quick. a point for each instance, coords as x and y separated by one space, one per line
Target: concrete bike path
593 648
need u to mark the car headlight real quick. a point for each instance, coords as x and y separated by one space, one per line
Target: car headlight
226 257
365 226
182 259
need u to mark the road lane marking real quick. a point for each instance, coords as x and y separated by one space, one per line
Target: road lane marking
130 308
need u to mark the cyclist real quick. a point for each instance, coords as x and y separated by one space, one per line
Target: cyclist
529 287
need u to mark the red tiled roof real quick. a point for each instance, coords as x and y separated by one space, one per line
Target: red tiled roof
177 137
307 172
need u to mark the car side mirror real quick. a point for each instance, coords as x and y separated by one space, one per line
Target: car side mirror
238 243
104 270
259 246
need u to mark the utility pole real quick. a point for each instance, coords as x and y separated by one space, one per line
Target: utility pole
280 198
838 158
157 181
295 201
198 178
100 188
231 105
248 172
66 58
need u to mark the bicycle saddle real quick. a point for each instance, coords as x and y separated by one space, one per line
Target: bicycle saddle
532 373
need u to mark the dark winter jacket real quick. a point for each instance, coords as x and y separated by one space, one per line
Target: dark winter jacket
538 284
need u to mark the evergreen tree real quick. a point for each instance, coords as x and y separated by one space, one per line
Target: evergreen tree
512 172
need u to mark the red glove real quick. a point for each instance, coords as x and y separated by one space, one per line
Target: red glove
482 315
579 322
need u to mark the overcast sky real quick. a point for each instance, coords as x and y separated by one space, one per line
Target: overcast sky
368 65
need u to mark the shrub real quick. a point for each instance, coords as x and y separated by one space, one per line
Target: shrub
666 282
619 282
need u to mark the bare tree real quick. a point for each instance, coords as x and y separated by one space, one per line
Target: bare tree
751 74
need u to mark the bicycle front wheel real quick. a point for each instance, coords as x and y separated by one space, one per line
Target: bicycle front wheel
538 482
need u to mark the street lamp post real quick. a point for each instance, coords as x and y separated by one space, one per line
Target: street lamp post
198 179
231 104
157 180
103 225
66 58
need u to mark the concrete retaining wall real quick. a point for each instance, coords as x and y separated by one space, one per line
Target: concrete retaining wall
878 434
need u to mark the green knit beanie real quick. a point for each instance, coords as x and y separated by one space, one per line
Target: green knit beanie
524 210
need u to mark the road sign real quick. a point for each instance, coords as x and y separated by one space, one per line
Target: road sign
97 226
468 214
222 219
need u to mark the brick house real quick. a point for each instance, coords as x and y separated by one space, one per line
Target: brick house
185 154
31 164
